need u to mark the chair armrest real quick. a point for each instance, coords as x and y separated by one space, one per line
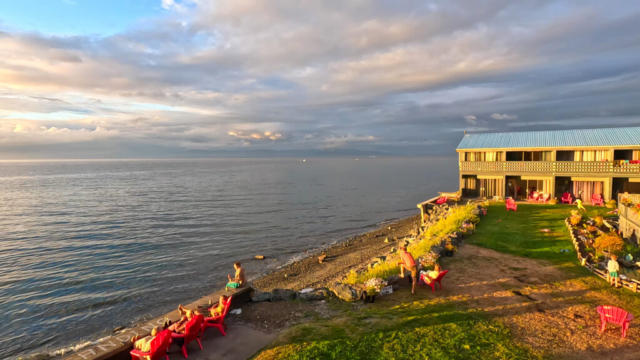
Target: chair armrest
629 317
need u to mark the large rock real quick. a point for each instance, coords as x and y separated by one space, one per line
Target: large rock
260 297
393 279
438 250
315 295
344 292
283 294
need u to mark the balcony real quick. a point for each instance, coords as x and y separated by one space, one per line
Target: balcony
549 167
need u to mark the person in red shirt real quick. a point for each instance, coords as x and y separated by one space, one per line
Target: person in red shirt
407 262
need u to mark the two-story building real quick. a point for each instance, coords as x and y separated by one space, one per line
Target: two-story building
585 162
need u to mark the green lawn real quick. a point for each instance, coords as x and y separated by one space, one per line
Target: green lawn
436 329
518 233
422 330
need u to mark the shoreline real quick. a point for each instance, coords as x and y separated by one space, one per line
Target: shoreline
353 253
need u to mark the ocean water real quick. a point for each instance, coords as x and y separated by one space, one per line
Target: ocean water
86 246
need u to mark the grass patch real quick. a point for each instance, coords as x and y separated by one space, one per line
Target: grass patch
518 233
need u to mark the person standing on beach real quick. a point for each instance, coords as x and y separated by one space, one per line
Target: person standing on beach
409 263
239 280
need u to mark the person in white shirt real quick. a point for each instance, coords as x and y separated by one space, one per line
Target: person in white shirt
613 268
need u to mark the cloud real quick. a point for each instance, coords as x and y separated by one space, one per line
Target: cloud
498 116
402 78
255 135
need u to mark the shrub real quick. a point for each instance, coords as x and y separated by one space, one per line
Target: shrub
434 235
611 242
452 222
575 219
599 220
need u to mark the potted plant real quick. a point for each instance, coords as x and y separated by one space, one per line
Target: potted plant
483 211
374 286
611 204
553 201
450 249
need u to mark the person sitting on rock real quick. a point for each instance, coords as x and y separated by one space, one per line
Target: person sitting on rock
239 280
407 262
144 344
222 305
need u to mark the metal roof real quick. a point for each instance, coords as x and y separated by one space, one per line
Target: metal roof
628 136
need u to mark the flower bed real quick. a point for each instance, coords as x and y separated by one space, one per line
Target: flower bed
451 223
601 241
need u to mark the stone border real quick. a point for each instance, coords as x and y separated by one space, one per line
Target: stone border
118 346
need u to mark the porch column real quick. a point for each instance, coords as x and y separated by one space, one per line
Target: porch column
607 189
552 185
504 186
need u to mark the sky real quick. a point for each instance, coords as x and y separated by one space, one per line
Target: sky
192 78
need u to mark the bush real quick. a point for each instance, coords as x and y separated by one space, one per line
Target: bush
599 220
434 235
611 242
575 219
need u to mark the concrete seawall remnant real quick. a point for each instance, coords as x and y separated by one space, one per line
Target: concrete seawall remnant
118 346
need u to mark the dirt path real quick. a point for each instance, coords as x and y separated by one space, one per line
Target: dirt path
341 258
545 308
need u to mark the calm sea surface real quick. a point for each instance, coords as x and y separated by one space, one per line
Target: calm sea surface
86 246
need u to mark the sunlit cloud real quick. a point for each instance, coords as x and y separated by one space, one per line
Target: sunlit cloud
394 78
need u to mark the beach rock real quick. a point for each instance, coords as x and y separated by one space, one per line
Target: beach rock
393 279
118 328
381 259
343 292
361 290
438 250
386 240
393 250
259 257
283 294
315 295
321 258
260 297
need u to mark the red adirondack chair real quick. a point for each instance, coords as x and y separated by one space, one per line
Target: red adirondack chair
614 315
544 198
434 281
192 332
596 199
159 346
511 205
441 200
217 321
533 197
566 198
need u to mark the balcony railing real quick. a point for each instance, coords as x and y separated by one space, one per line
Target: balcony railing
550 166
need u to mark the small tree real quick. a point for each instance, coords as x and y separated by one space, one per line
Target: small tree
610 242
